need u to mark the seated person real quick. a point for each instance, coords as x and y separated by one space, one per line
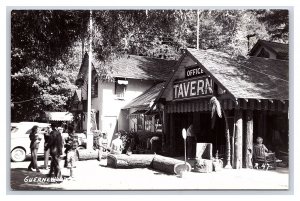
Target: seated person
259 144
261 154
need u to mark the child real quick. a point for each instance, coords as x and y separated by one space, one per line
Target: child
102 143
71 150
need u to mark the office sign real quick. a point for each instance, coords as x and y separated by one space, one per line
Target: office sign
193 72
193 88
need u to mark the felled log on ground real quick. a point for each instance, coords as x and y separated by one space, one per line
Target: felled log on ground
129 161
166 164
87 154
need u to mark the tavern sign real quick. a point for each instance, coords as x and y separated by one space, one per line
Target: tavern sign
192 88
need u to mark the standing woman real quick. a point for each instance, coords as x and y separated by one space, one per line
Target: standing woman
34 146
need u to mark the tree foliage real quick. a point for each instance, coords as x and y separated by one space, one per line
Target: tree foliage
47 46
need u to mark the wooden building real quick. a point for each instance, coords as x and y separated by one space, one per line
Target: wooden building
114 86
252 91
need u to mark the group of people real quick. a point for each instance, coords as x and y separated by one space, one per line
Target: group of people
53 146
102 145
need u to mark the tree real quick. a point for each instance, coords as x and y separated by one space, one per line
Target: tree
277 23
52 42
43 59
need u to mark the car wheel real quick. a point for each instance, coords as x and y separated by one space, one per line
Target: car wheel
18 155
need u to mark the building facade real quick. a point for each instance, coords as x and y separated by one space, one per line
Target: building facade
124 80
252 92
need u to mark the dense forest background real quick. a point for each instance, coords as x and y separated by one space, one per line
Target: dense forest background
47 46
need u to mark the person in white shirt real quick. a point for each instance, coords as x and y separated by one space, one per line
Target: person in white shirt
117 145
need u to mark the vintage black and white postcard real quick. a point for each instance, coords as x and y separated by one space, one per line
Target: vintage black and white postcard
149 99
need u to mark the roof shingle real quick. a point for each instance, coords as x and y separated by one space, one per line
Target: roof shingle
254 77
140 67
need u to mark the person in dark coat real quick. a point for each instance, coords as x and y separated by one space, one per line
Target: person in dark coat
34 146
55 144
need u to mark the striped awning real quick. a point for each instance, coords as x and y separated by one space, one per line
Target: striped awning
227 104
59 116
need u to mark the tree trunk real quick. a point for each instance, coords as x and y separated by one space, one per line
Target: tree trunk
87 154
248 148
238 143
168 165
129 161
227 136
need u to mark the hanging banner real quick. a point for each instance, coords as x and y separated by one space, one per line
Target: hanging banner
193 88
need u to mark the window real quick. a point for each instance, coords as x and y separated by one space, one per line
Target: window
148 123
158 124
121 88
95 88
140 122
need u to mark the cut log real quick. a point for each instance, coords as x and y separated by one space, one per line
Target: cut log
129 161
87 154
166 164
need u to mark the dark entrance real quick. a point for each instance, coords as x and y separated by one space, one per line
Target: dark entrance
202 128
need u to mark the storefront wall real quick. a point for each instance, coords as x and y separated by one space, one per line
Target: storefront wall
272 126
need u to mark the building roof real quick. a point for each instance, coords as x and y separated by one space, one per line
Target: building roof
144 100
248 78
281 49
141 67
134 67
59 116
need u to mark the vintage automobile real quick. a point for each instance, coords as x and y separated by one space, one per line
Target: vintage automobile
20 141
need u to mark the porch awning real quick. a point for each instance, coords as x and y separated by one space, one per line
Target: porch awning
59 116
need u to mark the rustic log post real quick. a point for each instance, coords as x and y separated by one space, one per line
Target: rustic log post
238 142
248 147
164 130
171 134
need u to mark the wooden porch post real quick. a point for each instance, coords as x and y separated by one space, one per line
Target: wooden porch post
171 134
165 130
238 142
248 147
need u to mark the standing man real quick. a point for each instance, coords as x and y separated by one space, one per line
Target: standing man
55 144
191 142
46 151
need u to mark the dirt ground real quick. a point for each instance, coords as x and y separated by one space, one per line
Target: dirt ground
92 175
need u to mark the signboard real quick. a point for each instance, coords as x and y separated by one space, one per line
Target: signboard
193 72
193 88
